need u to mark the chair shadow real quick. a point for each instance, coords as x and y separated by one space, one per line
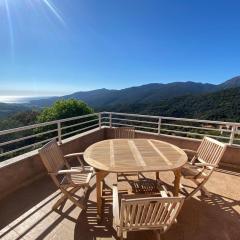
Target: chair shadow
207 217
87 226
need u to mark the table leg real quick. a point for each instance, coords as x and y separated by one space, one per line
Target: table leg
177 174
157 176
100 175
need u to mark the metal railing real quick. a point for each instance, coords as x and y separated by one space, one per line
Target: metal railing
17 141
182 127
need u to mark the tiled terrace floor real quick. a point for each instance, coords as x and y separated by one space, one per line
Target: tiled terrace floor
27 214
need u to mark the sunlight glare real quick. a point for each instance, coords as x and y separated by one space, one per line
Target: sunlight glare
54 10
6 5
9 19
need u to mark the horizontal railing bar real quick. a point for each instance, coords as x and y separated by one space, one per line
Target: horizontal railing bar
201 121
121 124
201 128
198 134
131 114
13 130
105 123
25 147
65 134
176 119
132 120
78 124
27 137
78 117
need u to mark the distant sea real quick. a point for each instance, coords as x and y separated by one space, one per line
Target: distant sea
19 99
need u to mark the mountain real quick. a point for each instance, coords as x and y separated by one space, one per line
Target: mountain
231 83
105 98
146 93
222 105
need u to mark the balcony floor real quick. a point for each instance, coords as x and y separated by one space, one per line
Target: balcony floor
27 214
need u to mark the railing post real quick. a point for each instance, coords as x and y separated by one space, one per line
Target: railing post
232 135
159 125
59 132
100 120
110 120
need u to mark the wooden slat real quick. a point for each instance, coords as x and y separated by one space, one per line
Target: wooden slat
112 158
136 154
160 153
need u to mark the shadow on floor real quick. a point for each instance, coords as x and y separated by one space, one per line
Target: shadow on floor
24 199
87 226
211 217
214 217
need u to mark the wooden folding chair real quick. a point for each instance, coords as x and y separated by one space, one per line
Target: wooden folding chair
68 179
124 132
136 212
202 165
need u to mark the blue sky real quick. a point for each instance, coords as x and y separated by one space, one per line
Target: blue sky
53 47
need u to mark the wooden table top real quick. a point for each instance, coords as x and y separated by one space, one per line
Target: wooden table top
129 155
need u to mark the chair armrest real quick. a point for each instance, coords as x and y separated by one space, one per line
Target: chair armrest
74 155
77 155
205 165
190 151
66 171
115 205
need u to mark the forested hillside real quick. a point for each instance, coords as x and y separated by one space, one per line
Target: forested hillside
223 105
8 109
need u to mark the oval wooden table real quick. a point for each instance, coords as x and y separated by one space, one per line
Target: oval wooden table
133 155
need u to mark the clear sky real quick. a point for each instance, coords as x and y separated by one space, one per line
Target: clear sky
53 47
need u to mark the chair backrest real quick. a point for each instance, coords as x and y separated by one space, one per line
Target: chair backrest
210 151
149 212
52 157
124 132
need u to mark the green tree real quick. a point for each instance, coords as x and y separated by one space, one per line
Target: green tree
64 109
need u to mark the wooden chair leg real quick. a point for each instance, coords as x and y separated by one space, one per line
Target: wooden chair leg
64 198
124 234
71 198
205 192
198 188
59 202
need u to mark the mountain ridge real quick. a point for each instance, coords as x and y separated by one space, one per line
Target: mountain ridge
146 93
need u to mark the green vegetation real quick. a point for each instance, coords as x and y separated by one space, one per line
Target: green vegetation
19 119
59 110
10 109
222 105
64 109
